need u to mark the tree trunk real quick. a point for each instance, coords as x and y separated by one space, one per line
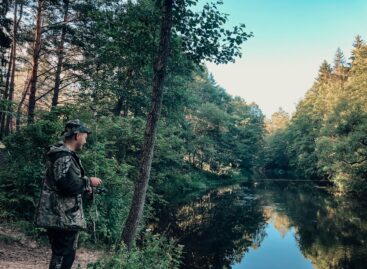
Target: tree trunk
35 61
19 109
60 59
141 183
6 95
9 118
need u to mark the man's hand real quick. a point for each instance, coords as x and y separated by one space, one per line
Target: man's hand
95 181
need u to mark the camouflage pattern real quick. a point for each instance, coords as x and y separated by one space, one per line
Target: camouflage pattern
60 204
75 126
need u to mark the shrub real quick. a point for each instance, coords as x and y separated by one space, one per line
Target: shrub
155 252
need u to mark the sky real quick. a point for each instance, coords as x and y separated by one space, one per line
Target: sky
291 39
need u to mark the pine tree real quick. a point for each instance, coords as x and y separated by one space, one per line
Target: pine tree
35 60
357 45
340 69
60 55
339 60
324 73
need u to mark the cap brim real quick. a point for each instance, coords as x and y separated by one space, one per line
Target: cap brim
86 130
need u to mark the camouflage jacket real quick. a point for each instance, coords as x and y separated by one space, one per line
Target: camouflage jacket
60 205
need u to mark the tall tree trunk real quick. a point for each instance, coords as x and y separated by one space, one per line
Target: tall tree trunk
35 61
141 183
60 59
19 109
9 118
8 73
6 94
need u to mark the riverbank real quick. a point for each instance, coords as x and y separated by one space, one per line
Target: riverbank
18 250
196 183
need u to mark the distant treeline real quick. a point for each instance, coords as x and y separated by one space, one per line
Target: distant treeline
326 138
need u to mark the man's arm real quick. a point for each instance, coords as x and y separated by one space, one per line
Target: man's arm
67 180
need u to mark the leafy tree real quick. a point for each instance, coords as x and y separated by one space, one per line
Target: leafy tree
279 120
342 148
222 53
276 163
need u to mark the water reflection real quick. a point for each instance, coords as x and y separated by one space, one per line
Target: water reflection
225 228
331 232
217 228
278 251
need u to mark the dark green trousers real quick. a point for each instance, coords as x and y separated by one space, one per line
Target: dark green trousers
63 245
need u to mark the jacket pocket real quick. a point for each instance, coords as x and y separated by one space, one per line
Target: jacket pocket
74 208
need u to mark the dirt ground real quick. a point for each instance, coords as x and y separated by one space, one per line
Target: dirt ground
18 251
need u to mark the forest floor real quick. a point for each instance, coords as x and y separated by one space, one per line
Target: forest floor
18 251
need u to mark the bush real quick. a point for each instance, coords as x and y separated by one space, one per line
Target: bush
25 161
155 252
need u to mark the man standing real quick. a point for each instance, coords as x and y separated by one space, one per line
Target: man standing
60 209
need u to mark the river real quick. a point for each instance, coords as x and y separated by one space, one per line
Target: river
280 225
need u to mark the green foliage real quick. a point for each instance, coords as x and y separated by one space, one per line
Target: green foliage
20 182
342 148
278 121
110 156
302 134
276 158
224 134
210 139
203 34
118 44
326 138
197 147
155 252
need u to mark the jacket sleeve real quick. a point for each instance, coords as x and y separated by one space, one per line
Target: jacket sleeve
67 180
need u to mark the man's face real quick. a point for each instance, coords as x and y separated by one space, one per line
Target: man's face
81 139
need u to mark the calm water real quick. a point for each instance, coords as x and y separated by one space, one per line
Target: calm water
277 226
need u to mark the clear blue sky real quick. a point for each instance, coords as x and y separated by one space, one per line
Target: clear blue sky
291 39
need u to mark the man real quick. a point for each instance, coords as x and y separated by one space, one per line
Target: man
60 209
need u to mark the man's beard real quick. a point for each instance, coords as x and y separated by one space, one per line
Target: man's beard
78 147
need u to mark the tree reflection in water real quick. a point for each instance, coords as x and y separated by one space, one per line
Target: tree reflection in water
219 228
331 231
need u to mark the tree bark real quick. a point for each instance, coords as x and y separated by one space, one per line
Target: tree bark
35 61
60 58
19 109
6 94
141 183
8 73
9 118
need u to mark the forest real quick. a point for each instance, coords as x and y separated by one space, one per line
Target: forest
135 72
326 138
